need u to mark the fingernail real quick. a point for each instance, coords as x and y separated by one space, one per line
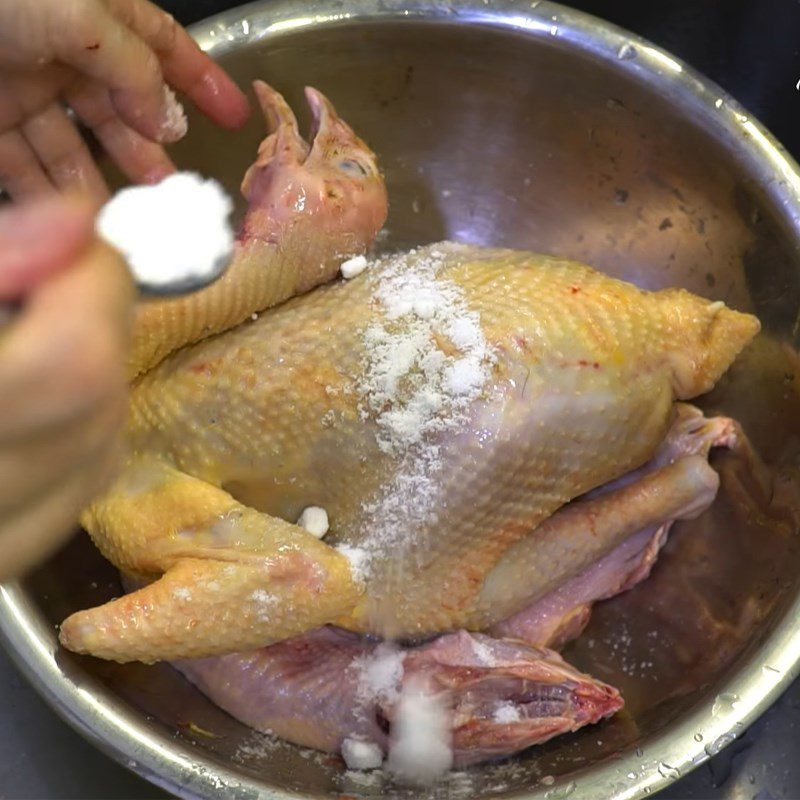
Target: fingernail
174 124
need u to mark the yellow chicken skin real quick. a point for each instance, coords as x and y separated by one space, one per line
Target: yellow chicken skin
309 206
549 379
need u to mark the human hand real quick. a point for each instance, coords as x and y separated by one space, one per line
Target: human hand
62 382
110 61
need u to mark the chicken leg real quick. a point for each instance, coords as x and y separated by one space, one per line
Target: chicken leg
229 577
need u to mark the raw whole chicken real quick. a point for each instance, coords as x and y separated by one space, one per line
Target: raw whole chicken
497 438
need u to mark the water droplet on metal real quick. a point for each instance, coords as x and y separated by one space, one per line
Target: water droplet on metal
547 780
719 743
558 792
639 752
698 737
667 771
631 776
647 790
535 3
626 52
727 701
554 30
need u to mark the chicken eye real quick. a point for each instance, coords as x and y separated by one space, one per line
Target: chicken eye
353 167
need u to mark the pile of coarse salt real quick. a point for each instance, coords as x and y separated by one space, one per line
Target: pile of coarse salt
173 234
425 361
420 749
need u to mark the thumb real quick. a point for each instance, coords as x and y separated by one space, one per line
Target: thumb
39 239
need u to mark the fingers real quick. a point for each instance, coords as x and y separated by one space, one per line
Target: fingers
110 60
63 153
90 38
141 160
36 465
37 240
134 61
30 535
63 357
85 36
27 107
62 395
40 147
184 65
21 174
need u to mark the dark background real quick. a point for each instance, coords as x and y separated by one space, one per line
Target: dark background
749 47
752 49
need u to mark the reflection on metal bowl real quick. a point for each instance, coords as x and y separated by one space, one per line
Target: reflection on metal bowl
528 125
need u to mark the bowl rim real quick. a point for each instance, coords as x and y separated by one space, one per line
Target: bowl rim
749 689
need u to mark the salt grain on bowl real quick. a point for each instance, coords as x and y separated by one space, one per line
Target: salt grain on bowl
420 750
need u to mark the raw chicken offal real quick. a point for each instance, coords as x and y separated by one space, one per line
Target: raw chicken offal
499 440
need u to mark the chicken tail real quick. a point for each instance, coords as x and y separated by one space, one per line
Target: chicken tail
703 338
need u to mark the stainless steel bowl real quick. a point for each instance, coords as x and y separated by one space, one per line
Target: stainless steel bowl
528 125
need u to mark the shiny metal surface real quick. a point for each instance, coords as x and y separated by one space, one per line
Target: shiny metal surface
181 286
528 125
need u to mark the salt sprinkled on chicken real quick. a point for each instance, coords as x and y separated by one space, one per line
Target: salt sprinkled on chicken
264 603
482 652
411 386
380 673
426 360
172 233
357 557
420 747
506 713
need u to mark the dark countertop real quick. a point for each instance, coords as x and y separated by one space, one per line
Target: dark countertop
752 49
